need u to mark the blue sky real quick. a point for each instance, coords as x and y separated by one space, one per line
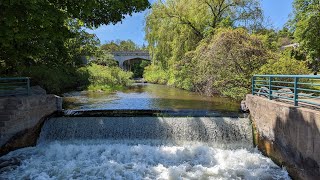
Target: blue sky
132 27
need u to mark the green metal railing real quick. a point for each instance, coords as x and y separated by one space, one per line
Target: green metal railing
304 89
14 86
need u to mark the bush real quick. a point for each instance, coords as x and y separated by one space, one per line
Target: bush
284 65
155 74
56 79
225 63
107 78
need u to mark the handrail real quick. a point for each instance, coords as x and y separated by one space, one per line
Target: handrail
12 86
297 88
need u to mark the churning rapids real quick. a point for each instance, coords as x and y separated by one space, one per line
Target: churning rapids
142 148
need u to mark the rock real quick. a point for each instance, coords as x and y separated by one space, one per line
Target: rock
243 106
284 92
263 90
37 90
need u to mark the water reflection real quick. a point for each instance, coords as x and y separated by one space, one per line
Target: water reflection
148 96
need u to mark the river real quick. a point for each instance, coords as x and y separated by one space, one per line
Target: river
148 96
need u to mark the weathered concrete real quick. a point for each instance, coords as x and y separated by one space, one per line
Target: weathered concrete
289 135
122 56
22 113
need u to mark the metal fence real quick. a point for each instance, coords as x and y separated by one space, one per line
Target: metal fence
298 89
14 86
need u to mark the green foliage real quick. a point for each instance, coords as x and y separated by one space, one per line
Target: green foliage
46 40
138 68
37 31
190 52
57 79
226 63
306 25
284 65
154 74
118 45
105 59
106 78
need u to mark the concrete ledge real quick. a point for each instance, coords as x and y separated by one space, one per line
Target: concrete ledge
289 135
18 114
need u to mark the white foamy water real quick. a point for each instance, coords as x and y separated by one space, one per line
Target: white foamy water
58 160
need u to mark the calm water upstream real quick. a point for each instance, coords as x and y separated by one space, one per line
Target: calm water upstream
162 148
148 96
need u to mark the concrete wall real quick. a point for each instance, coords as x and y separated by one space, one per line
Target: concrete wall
18 114
289 135
122 59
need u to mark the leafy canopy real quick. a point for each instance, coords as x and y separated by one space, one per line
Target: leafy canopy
37 30
306 25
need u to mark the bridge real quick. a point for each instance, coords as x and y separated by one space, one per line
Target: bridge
122 56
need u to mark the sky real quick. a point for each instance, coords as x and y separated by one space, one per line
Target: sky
132 27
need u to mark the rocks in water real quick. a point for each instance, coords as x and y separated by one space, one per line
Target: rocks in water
9 164
244 107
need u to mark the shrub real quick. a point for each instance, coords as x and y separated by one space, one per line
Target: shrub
56 79
284 65
225 63
107 78
155 74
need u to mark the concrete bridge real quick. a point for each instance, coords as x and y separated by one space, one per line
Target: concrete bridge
123 56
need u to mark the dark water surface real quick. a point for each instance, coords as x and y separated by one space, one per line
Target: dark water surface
148 96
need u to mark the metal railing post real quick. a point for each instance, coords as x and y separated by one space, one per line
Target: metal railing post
270 87
253 84
28 86
295 98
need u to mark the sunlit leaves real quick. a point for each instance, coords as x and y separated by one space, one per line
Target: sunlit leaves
306 25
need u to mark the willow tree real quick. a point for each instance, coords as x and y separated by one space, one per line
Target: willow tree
175 27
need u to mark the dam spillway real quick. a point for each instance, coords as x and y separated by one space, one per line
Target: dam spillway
216 131
142 148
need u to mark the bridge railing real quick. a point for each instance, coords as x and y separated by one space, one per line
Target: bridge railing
15 86
297 89
130 53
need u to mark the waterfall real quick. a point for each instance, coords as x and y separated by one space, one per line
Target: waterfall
216 131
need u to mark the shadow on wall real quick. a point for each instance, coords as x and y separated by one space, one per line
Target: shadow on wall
296 143
299 135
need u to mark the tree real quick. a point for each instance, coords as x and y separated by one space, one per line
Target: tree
225 63
284 65
124 45
175 27
37 30
306 25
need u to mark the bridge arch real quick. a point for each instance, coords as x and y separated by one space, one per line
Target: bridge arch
122 56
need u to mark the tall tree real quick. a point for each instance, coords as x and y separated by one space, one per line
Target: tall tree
36 29
306 27
174 27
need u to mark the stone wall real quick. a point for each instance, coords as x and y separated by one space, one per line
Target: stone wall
21 113
289 135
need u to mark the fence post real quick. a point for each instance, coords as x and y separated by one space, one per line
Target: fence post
295 98
270 88
28 86
253 84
